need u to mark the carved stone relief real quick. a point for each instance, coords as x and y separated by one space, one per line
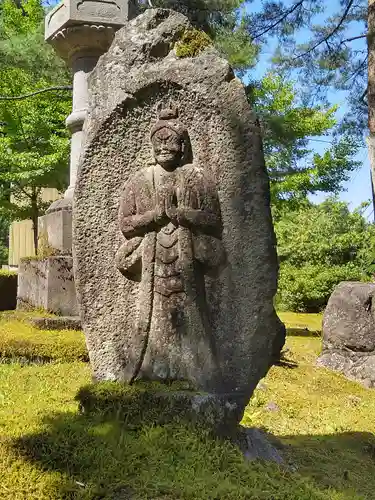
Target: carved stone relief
170 217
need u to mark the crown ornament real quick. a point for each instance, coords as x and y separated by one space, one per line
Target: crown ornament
168 118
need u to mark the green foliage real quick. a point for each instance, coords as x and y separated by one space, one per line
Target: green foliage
319 246
34 145
308 288
288 125
20 341
324 43
22 44
192 43
5 272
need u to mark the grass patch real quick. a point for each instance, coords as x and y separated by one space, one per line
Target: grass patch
20 341
301 324
48 450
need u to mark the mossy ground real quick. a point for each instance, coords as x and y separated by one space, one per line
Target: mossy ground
50 451
19 341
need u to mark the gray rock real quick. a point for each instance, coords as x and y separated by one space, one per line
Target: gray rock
348 321
272 406
349 332
210 319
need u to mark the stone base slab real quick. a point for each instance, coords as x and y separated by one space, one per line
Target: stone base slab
152 403
149 402
47 284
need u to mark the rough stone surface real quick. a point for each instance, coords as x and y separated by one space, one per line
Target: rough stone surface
48 284
222 332
349 332
55 229
58 323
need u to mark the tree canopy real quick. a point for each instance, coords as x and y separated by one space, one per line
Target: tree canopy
34 144
295 170
319 246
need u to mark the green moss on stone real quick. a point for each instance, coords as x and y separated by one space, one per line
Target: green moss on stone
146 403
192 43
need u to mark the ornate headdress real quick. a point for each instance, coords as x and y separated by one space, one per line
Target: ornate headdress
168 118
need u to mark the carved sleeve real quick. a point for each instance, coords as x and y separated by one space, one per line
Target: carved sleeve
200 206
132 223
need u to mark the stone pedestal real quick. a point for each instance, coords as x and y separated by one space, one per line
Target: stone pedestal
47 284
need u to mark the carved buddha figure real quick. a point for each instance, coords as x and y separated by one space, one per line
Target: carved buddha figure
170 217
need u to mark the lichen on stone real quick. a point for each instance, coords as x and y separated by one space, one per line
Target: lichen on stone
192 43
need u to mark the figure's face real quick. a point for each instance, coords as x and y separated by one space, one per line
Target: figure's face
168 148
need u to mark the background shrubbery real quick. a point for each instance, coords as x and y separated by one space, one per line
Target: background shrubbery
319 246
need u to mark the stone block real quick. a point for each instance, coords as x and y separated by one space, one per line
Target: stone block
349 332
158 404
47 284
55 230
73 12
174 248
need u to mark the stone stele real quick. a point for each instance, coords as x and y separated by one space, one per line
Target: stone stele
349 332
174 248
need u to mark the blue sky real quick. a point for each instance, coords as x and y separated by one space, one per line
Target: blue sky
358 189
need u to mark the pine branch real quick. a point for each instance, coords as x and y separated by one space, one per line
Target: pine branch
279 20
330 34
32 94
365 35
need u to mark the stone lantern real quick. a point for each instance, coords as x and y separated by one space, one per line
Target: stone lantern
80 31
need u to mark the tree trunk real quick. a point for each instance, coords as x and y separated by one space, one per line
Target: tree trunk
371 93
34 218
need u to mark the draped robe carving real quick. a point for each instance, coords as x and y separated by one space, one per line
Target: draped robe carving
170 218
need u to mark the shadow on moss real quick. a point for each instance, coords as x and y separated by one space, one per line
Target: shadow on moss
100 458
303 332
153 403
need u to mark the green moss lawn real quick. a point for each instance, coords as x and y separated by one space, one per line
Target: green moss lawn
50 451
